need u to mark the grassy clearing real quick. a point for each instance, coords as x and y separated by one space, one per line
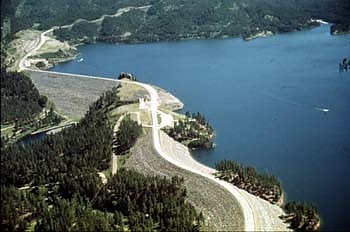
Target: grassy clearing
131 92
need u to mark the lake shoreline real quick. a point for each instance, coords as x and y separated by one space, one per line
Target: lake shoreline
219 144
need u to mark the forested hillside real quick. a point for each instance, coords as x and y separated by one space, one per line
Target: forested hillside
20 100
171 19
53 185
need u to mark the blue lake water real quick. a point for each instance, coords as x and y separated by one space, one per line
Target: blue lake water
264 99
32 138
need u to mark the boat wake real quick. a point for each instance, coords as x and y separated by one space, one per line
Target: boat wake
291 102
283 100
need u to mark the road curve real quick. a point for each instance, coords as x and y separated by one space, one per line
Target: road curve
250 222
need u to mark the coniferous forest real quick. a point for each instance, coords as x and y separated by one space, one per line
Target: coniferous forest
20 100
53 184
264 185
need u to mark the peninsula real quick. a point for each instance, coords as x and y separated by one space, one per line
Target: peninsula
126 132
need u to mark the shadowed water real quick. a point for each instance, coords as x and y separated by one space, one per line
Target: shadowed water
277 103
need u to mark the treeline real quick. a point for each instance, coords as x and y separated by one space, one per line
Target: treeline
53 184
81 32
263 185
129 202
339 29
337 12
149 203
302 216
174 20
168 19
42 14
127 134
87 144
193 131
20 100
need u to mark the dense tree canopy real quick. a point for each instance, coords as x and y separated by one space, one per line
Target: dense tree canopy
127 134
193 131
53 184
20 100
168 19
263 185
302 216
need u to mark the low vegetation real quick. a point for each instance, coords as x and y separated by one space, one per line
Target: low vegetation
302 216
193 131
264 185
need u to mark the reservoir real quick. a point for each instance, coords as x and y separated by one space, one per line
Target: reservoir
278 103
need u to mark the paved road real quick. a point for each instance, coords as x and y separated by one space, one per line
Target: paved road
247 210
255 217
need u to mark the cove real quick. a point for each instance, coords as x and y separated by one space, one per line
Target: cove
264 99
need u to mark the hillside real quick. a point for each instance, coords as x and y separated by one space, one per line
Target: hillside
20 100
168 19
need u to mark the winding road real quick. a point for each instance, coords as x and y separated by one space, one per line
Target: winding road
254 216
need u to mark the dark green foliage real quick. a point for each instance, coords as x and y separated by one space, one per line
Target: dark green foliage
20 100
129 76
56 13
194 131
113 28
87 145
127 134
338 29
302 216
13 203
74 215
83 31
169 19
264 185
64 192
149 202
334 11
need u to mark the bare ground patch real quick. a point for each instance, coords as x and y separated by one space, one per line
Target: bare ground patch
71 95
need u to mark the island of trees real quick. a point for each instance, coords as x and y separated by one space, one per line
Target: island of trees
53 184
193 131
